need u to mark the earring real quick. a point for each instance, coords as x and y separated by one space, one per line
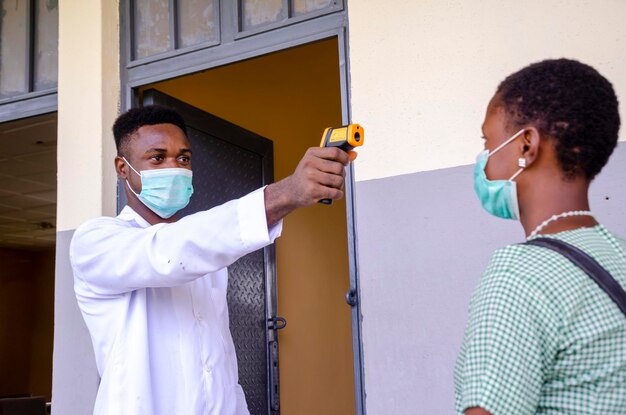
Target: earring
521 162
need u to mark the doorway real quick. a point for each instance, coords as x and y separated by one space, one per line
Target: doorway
290 97
28 151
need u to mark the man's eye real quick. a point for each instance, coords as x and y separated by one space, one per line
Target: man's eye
156 157
184 159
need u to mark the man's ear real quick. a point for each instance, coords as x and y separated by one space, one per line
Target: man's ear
121 167
530 145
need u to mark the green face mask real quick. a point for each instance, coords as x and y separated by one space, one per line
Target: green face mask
498 197
164 191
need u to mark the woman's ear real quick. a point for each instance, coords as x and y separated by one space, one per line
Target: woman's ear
530 145
121 168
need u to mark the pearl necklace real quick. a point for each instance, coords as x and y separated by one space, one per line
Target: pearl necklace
557 217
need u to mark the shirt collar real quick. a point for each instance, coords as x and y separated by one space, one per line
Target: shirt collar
129 215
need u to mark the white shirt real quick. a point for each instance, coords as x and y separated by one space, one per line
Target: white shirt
154 300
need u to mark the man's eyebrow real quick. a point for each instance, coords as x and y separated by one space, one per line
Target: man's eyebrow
155 150
163 150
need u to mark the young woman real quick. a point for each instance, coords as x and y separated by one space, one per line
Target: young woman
542 336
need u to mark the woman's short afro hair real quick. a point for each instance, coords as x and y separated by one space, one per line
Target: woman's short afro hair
569 102
128 123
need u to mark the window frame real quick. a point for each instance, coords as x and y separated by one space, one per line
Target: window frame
229 22
290 20
173 50
32 102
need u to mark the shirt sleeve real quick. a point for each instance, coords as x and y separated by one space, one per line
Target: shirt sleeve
502 360
113 257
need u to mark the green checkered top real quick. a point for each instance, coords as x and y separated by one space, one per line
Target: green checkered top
542 336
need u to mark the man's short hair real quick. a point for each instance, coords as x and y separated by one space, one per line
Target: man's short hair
571 103
128 123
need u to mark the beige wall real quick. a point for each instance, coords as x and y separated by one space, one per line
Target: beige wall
290 97
88 92
88 102
422 72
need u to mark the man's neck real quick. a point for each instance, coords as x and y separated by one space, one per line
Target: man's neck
143 211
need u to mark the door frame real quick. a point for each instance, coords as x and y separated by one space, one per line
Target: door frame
232 50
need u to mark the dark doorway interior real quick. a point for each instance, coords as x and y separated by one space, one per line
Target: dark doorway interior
28 168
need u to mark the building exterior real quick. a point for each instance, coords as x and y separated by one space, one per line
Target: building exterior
410 241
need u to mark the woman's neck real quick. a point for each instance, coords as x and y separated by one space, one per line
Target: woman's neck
548 198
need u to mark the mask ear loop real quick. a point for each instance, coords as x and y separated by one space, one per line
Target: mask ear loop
517 173
130 165
136 172
513 137
522 164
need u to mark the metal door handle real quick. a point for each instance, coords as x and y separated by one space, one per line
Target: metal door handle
276 323
351 297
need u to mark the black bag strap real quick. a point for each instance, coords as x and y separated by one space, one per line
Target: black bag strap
587 264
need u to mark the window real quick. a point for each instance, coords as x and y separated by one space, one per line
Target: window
29 33
160 29
257 13
165 25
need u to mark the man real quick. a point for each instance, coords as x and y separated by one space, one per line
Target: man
152 287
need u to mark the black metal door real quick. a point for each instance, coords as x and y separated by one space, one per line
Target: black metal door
229 162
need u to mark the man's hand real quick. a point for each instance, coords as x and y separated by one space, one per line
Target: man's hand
319 175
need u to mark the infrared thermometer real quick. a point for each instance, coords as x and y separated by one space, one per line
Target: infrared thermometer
346 138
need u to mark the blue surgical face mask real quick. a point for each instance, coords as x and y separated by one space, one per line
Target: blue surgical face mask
498 197
164 191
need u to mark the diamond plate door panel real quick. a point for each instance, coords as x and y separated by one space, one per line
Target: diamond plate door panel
246 306
229 162
223 172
